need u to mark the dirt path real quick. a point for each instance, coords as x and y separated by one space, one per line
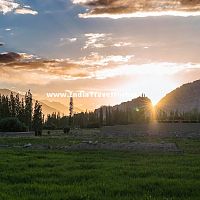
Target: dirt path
134 146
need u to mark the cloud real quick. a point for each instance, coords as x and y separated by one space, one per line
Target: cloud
34 70
122 44
25 11
72 39
31 69
9 57
7 6
139 8
102 40
96 40
94 59
65 41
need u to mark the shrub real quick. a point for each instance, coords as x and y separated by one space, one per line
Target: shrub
12 124
66 130
38 133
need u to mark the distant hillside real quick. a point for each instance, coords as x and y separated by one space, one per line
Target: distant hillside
47 109
183 99
135 104
59 106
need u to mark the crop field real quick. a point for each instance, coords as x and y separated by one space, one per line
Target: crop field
35 172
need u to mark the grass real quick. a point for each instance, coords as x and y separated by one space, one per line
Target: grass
99 175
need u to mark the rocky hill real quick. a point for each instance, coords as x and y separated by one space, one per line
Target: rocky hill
138 103
183 99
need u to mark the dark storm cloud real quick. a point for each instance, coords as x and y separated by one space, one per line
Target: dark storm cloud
122 7
9 57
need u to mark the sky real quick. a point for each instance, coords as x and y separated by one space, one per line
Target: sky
122 46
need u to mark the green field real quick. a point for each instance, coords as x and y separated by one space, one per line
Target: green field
50 174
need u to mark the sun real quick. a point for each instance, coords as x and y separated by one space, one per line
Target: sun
154 87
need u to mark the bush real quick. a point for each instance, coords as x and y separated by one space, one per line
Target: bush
93 125
38 133
50 126
12 124
66 130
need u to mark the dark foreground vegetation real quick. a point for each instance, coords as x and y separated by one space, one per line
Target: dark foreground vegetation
17 114
22 115
116 117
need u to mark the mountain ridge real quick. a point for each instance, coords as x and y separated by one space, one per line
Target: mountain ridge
185 98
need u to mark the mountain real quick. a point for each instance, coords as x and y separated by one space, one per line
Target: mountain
135 104
59 106
46 108
183 99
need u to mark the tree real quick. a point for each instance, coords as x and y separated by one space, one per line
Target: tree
28 109
5 107
71 108
21 115
37 119
17 106
101 117
12 105
12 124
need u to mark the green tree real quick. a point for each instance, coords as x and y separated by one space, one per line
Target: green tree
37 119
28 109
101 116
12 105
17 106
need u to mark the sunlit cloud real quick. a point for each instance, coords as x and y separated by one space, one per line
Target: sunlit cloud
116 9
149 69
103 40
7 6
25 11
141 14
94 59
154 78
72 39
95 40
122 44
94 66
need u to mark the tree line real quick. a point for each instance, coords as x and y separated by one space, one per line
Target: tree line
105 116
18 114
192 116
